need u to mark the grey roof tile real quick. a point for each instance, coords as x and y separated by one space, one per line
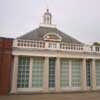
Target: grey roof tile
38 34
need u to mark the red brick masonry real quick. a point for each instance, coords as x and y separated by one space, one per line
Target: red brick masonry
5 65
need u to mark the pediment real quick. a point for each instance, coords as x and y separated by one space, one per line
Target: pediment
52 37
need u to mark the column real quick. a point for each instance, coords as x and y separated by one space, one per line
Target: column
14 75
93 75
57 82
46 74
70 73
84 81
46 45
30 72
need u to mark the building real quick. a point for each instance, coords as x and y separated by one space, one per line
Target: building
6 63
48 60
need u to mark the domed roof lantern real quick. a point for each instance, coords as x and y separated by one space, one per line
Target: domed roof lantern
47 17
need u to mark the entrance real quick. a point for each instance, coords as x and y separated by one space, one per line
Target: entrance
52 73
88 74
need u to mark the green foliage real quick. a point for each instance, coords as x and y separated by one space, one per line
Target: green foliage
96 43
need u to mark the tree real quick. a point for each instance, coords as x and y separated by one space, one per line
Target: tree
96 43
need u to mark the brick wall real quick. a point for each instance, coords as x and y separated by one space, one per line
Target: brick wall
6 60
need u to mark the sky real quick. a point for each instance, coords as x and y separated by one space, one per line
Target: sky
78 18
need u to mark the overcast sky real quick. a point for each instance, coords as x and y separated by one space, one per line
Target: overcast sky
78 18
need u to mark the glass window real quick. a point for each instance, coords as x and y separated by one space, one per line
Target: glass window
64 73
23 72
98 73
76 73
37 72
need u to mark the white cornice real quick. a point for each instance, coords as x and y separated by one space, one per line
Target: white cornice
47 25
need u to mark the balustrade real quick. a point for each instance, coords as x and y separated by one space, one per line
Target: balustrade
55 46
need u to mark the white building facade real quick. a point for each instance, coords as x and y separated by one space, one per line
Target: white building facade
47 60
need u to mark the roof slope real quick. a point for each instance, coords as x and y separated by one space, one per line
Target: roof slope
38 34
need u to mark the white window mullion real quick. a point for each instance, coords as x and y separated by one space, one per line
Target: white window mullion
70 73
30 73
93 75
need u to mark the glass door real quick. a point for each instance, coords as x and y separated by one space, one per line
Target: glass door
88 74
52 73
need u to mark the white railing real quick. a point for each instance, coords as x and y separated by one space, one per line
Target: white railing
71 47
55 46
28 44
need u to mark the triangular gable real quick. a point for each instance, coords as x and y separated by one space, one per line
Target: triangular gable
52 37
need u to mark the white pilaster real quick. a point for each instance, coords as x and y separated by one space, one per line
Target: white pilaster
70 73
57 74
93 75
84 81
46 74
46 45
14 75
30 73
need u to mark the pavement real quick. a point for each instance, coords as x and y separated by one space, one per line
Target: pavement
57 96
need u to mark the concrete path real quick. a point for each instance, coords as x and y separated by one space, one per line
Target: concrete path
60 96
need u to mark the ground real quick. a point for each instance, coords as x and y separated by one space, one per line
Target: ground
58 96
